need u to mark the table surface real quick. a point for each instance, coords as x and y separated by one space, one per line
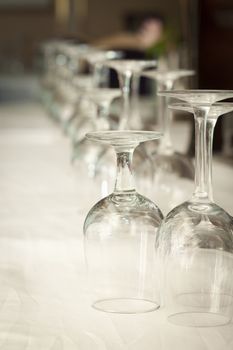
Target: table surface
44 300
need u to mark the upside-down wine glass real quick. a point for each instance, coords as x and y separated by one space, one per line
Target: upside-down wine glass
47 79
96 61
86 154
135 114
119 236
195 241
83 111
126 69
216 110
173 171
87 118
54 60
68 66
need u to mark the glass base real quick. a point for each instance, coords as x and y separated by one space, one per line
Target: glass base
212 310
198 319
125 305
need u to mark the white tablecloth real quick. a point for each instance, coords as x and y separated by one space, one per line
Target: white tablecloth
43 289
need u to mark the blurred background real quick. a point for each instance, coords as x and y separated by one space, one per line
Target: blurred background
200 30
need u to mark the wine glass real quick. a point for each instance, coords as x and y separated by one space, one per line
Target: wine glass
96 61
54 60
173 171
119 233
86 157
195 241
126 69
47 79
165 81
68 64
83 111
135 105
84 116
102 99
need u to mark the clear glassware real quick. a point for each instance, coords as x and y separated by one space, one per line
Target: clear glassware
87 156
125 70
195 241
102 99
70 64
67 64
166 80
135 103
53 62
119 236
96 61
47 81
83 117
173 171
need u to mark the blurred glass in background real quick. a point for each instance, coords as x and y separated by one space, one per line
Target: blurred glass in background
194 34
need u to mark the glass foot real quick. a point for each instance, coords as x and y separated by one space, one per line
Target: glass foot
205 310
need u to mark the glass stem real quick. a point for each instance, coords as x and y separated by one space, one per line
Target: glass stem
96 74
124 82
135 109
102 113
210 125
165 115
124 179
203 161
